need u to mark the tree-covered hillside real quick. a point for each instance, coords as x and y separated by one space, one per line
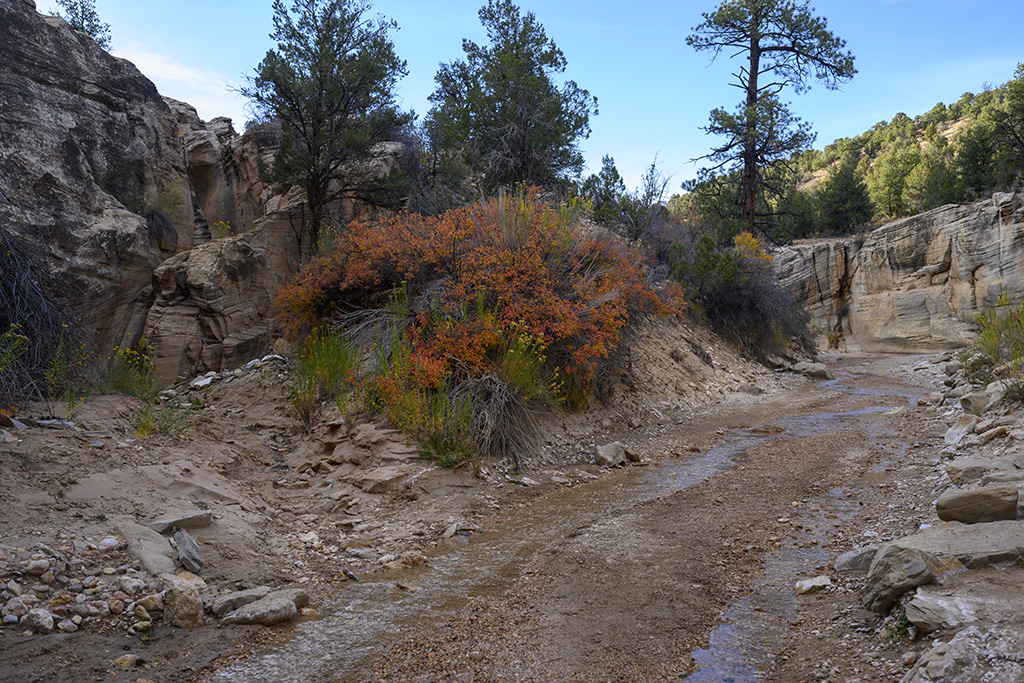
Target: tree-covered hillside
953 153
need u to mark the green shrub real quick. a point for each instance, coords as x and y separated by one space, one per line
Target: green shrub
741 298
999 347
327 370
172 418
128 371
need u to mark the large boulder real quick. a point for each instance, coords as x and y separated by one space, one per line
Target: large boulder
927 556
984 504
895 570
183 603
917 282
90 167
269 610
987 597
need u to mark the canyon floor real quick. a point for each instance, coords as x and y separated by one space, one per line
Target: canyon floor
679 567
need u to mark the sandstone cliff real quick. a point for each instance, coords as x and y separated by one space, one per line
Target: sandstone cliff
918 282
89 166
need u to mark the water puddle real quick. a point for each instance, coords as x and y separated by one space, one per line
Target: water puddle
370 614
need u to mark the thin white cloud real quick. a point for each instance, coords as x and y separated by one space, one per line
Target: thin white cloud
205 89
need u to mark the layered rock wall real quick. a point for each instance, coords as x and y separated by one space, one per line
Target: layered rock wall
916 283
90 166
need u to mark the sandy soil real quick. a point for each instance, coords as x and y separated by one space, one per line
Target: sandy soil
625 594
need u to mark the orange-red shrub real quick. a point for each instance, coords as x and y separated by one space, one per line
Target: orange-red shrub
480 275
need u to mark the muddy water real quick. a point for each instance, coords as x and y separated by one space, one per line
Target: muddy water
342 645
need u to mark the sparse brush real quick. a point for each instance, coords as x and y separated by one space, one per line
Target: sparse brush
327 370
998 348
128 371
36 305
172 418
503 425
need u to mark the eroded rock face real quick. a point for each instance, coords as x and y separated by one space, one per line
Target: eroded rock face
90 166
223 169
212 304
917 282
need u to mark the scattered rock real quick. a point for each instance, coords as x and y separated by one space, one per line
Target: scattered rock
896 570
963 426
183 606
267 611
131 585
966 470
813 370
610 455
858 560
191 520
974 654
188 551
147 546
807 586
127 661
37 567
978 402
232 601
38 621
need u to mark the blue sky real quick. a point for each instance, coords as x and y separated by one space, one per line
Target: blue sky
654 93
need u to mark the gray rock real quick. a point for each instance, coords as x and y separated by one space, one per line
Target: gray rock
966 470
972 655
975 545
38 621
267 611
807 586
895 570
297 595
188 551
131 585
962 426
813 370
979 402
188 520
985 504
183 605
151 549
37 567
153 602
984 597
610 455
232 601
858 560
16 607
931 554
11 423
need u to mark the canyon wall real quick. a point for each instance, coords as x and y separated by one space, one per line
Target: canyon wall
919 282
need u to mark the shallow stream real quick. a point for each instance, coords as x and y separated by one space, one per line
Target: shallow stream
341 645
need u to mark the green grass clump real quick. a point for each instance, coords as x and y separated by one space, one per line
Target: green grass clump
998 349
